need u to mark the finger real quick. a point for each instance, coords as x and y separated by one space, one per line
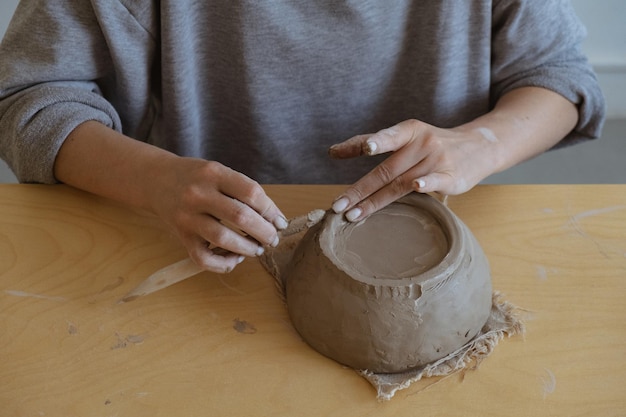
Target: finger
440 182
220 234
241 218
385 175
386 140
212 260
383 141
250 193
350 148
392 138
204 228
399 187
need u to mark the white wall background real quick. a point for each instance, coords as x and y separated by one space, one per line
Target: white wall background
7 7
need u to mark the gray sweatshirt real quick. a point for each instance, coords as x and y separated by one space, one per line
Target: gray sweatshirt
266 87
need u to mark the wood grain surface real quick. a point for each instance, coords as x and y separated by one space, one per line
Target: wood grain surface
222 345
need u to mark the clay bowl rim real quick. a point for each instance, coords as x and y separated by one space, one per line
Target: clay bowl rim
450 226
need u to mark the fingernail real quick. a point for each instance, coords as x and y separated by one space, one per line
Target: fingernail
241 259
260 251
371 148
420 183
275 242
353 214
340 205
281 223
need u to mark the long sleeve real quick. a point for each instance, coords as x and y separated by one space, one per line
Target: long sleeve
57 70
538 43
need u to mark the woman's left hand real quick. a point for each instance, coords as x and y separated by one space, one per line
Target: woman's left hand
424 158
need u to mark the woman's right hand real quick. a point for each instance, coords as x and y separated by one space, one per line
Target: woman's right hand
208 205
205 204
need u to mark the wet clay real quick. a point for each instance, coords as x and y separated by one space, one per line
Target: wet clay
402 288
359 251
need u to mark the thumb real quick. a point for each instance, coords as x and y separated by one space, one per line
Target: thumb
440 182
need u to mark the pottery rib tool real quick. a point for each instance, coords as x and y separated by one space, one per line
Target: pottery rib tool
164 277
181 270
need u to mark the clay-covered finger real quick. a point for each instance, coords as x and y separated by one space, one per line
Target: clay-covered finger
386 174
392 138
440 182
250 193
222 235
211 259
380 199
399 187
247 208
350 148
246 221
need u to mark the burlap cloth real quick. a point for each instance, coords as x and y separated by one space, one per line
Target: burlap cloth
504 320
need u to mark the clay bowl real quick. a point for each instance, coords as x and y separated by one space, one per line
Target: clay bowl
400 289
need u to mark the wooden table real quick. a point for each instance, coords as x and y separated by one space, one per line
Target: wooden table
223 345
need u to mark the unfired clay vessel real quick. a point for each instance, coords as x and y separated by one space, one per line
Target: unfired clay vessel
400 289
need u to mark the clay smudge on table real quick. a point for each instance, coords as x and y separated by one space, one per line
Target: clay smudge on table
597 212
230 287
72 329
119 281
123 342
574 223
32 295
242 326
120 344
128 299
103 293
543 272
549 383
574 220
135 339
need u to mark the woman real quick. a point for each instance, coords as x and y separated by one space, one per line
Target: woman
180 107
